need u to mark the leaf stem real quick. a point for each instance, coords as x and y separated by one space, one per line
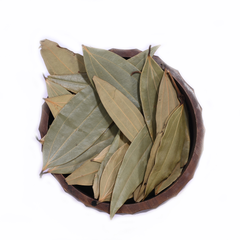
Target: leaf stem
136 72
149 50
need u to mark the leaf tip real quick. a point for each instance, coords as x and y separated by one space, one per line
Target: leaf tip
157 47
95 78
41 173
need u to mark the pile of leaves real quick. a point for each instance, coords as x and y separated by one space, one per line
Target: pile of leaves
120 126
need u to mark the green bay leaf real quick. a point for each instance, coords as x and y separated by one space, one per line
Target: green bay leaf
139 59
110 172
169 152
166 103
186 145
184 158
123 112
103 141
171 178
149 84
55 90
60 60
132 170
84 174
99 158
79 124
113 69
118 141
139 195
57 103
73 82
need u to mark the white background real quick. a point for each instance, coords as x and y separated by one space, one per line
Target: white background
198 38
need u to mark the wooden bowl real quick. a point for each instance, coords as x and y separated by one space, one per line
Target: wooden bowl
85 194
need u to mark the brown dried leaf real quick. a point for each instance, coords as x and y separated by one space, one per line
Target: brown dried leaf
109 174
169 152
84 174
167 101
123 112
60 60
99 158
57 103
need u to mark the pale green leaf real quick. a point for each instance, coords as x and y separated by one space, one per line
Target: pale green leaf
169 152
79 124
105 139
57 103
149 84
113 69
167 102
118 141
184 158
171 178
84 174
186 145
132 170
60 60
55 90
123 112
110 172
139 59
73 82
139 195
99 158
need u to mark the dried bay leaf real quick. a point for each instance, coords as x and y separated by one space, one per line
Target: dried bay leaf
131 196
139 195
184 158
55 90
123 112
57 103
167 101
111 131
169 152
186 145
79 124
60 60
113 69
171 178
73 82
132 169
118 141
99 158
84 174
149 84
41 140
136 194
139 59
109 174
105 139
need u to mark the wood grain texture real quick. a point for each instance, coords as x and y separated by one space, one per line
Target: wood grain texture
197 138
